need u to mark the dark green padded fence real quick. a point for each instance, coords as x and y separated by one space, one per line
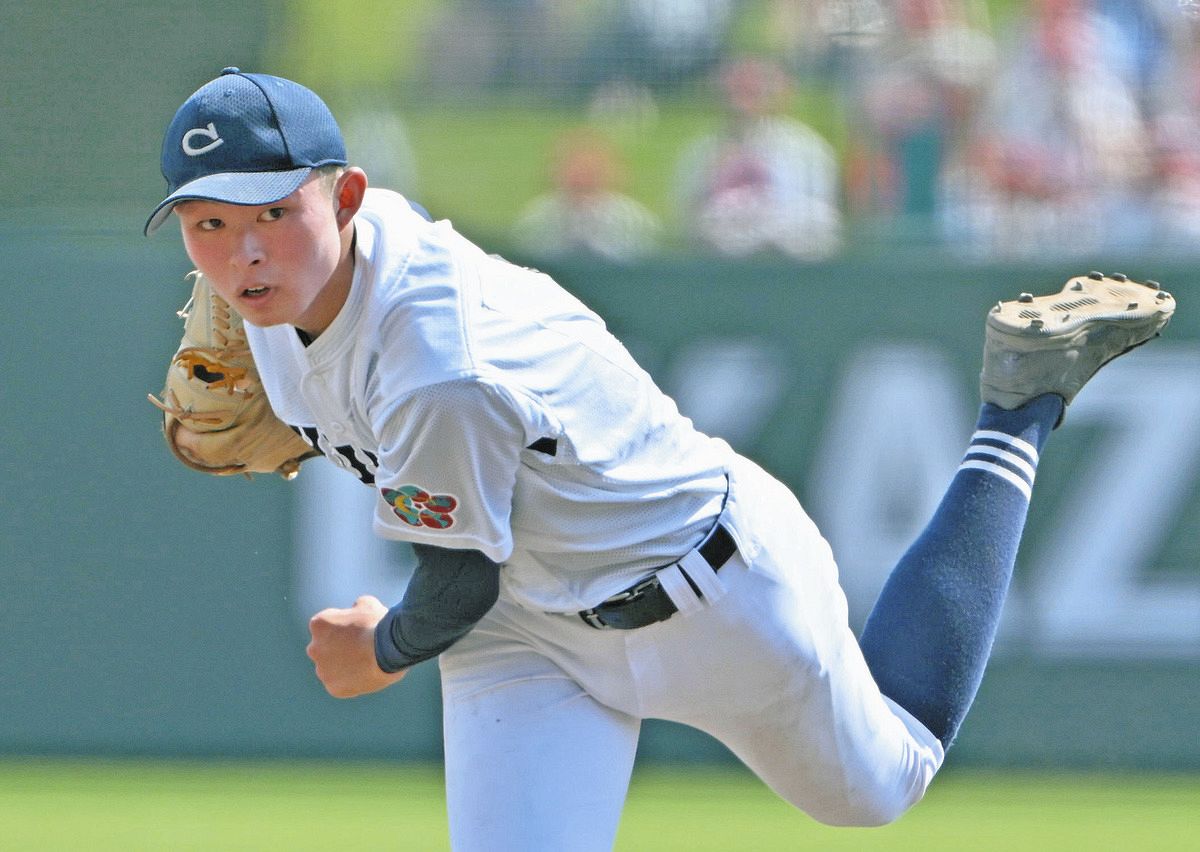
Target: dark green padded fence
150 609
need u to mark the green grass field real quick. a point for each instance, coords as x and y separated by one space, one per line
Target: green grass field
95 806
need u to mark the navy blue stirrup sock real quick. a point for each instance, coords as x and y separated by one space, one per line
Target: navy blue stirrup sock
928 638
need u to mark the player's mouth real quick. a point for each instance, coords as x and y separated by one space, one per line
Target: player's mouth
255 292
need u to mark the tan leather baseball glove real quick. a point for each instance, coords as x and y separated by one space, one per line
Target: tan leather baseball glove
216 417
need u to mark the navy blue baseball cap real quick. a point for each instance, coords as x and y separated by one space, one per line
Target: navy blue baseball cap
245 139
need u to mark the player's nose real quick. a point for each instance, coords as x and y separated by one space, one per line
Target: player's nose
248 251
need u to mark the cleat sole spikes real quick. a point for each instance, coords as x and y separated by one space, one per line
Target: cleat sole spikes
1026 357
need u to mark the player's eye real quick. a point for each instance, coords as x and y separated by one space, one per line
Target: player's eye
271 214
209 224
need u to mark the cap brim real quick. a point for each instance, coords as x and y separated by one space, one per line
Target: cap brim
245 188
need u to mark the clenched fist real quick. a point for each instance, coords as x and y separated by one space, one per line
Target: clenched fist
343 649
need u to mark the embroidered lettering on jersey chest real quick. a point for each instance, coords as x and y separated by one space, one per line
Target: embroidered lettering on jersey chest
361 463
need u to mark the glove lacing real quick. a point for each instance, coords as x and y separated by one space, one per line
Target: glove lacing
231 344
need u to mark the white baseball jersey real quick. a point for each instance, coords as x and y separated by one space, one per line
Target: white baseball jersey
491 410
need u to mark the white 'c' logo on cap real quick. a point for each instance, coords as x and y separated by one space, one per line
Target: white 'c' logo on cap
209 132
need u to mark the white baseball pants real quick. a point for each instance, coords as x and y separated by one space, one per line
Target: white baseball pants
542 711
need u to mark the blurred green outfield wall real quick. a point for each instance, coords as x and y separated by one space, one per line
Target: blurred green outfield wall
150 609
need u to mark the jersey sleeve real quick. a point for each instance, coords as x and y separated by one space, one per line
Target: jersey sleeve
448 463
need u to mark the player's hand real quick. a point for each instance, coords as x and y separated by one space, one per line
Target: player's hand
343 649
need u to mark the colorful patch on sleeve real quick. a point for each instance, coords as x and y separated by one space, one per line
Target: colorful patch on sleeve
417 507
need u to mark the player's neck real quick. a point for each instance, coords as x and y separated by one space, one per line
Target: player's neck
328 303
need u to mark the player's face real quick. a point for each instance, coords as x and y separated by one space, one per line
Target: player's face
274 263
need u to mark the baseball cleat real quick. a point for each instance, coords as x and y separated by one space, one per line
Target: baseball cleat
1054 344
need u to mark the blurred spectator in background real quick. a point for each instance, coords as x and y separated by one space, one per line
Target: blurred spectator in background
655 43
1176 196
765 181
826 38
917 93
586 212
1079 148
1078 133
568 47
1172 97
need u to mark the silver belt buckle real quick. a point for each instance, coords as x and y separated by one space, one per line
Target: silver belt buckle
634 592
592 616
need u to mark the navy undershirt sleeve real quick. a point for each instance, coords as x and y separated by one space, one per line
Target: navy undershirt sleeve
449 592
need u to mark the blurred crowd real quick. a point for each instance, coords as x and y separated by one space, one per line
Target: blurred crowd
1064 127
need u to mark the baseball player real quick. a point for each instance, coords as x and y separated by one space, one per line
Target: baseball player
587 559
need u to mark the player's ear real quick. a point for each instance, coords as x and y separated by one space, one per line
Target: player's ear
348 194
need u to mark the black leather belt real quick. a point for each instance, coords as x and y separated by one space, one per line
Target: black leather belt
646 601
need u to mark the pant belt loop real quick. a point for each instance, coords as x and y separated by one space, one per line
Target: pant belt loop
703 575
678 589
